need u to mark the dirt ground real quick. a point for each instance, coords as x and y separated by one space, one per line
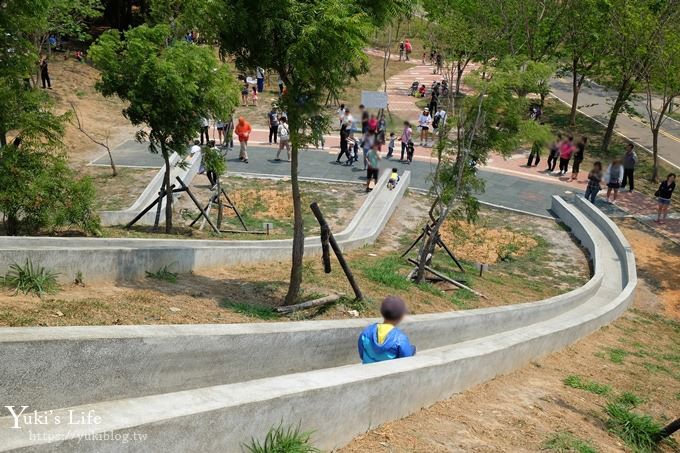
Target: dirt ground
247 293
526 409
258 201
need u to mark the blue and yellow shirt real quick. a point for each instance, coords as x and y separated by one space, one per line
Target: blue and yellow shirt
380 342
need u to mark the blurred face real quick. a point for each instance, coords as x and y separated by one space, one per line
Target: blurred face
671 179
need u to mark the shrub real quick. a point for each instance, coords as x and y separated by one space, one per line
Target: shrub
638 431
280 440
30 279
38 191
163 274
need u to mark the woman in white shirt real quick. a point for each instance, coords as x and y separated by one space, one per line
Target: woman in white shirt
424 123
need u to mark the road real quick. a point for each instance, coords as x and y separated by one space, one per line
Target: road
596 101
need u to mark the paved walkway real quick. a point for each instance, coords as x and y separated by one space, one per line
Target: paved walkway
508 182
596 101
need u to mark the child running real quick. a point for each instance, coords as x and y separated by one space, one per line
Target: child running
384 341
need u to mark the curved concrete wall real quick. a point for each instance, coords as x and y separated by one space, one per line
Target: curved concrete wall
128 259
456 350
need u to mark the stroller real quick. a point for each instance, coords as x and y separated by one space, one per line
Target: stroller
414 88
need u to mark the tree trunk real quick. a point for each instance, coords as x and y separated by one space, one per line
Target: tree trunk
298 225
12 225
624 92
576 88
428 245
655 154
114 170
166 182
220 206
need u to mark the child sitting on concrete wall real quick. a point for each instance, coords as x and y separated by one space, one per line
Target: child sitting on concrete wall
383 341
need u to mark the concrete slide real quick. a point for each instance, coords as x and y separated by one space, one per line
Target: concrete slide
185 172
212 388
119 259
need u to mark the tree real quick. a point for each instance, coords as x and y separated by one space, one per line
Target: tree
585 44
214 163
662 81
39 191
66 18
637 27
494 118
168 84
25 111
315 46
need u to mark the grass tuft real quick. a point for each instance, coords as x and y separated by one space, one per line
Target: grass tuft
577 382
638 431
565 442
28 279
628 399
163 274
616 355
386 272
253 311
283 440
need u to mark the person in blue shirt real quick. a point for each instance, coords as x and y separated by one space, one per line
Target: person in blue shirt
383 341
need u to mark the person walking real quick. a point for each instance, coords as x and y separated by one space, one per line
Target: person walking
594 182
566 150
344 144
366 145
229 134
254 97
630 161
273 118
401 50
372 171
205 129
45 73
434 99
534 154
244 94
664 194
259 75
579 154
408 49
243 130
424 123
284 138
405 138
613 177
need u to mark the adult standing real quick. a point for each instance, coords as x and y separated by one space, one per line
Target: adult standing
243 130
630 161
344 144
365 117
45 73
434 99
613 179
401 50
566 150
579 154
205 129
664 195
372 171
554 153
439 120
273 117
405 138
284 138
424 122
219 125
408 49
259 75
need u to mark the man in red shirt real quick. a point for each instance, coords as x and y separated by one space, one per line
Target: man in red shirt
243 130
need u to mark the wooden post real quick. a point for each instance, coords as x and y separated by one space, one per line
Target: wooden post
193 198
336 249
450 280
148 208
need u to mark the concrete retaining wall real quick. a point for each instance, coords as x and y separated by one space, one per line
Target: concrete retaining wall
457 350
115 259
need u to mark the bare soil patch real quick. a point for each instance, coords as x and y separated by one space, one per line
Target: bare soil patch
250 292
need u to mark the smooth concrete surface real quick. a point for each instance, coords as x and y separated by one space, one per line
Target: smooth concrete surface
120 259
342 401
185 173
